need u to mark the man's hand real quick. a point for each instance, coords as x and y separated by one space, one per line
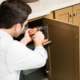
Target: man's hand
38 37
26 39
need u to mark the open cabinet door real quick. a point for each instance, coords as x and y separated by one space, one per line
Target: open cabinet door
64 50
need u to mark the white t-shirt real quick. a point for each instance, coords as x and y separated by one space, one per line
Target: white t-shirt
14 56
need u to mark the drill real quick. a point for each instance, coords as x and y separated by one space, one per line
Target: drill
31 32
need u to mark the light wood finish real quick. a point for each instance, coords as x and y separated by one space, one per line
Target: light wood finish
76 12
64 14
49 16
64 50
70 14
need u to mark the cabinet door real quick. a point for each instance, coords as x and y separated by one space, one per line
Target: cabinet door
64 50
50 15
76 12
64 14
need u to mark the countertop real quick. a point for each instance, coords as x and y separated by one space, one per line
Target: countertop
44 7
40 9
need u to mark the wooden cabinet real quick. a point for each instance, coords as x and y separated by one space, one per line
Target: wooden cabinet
66 61
76 14
64 57
70 14
50 16
63 61
64 50
64 14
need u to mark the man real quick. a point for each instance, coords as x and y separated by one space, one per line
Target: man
14 55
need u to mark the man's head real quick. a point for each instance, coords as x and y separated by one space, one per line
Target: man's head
13 15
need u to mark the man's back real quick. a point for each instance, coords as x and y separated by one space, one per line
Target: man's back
14 56
5 40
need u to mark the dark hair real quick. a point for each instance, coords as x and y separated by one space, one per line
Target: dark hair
13 12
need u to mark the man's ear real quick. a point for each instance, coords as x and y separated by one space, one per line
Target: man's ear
17 27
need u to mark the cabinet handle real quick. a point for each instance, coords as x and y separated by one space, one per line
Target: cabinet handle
75 13
71 15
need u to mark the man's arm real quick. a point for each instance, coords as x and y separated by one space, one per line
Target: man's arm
19 57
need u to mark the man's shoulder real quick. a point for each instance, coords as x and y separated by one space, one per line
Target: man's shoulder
16 44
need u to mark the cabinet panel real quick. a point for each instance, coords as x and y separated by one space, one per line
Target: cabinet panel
49 16
64 14
64 50
70 14
76 12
